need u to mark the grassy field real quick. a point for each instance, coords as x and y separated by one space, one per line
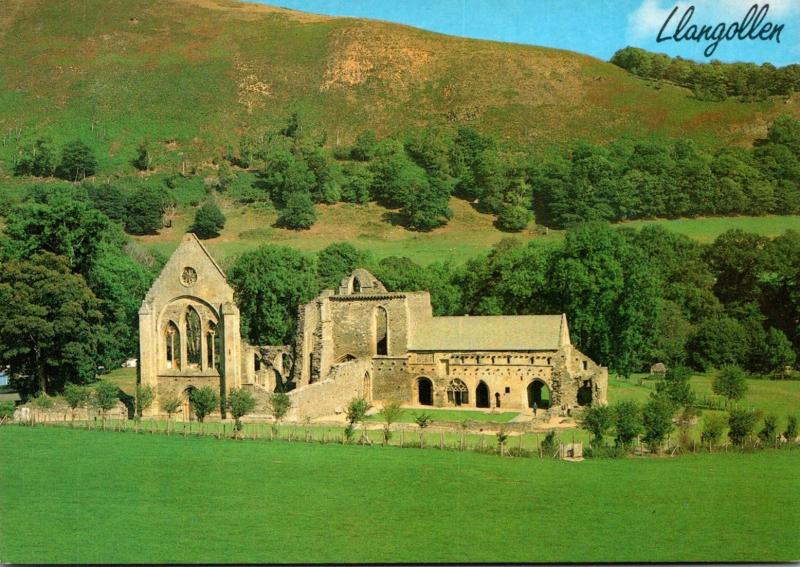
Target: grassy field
408 416
93 497
707 229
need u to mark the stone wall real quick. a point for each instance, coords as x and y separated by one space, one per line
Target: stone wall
332 395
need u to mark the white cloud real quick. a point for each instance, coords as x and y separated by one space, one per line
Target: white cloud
647 19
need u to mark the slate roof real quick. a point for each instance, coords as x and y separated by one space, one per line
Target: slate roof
488 333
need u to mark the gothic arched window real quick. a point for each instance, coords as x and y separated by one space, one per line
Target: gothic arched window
172 338
212 346
457 392
381 332
194 339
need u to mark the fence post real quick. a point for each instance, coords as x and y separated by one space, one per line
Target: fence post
402 437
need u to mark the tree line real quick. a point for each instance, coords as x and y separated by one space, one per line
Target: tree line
715 81
415 173
632 297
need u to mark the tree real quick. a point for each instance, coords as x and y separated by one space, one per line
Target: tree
425 202
713 426
675 386
76 396
50 336
390 413
105 397
62 222
146 206
170 403
208 221
627 422
356 413
37 159
77 162
240 403
278 405
597 420
741 423
718 341
730 382
145 395
299 213
657 419
204 401
336 261
270 282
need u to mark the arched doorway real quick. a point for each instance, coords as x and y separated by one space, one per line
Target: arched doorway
186 406
539 394
457 393
424 391
482 395
497 399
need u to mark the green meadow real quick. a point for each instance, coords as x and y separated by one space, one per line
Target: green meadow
92 497
367 227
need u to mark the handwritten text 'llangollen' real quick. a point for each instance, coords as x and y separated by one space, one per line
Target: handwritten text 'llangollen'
751 27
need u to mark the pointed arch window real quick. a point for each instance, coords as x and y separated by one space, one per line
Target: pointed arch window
381 332
172 338
194 339
212 346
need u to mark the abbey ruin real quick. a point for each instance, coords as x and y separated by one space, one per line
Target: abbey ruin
358 340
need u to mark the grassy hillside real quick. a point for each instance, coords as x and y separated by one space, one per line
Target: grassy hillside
203 500
193 75
367 227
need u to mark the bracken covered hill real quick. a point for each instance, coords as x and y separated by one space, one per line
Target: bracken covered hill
195 75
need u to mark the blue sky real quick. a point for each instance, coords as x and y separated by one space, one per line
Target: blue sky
596 27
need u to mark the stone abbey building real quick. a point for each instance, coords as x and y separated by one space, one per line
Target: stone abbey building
358 340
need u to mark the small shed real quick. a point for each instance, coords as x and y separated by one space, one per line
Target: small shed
659 368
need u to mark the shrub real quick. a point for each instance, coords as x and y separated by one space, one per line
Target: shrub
76 395
37 159
730 382
549 444
769 431
204 401
791 428
713 426
7 410
208 221
42 401
741 423
423 420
